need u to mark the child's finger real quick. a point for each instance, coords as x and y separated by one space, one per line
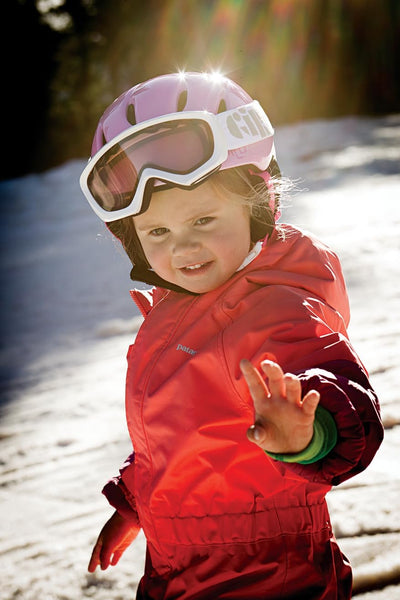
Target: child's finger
310 401
276 384
95 558
105 557
116 556
93 563
293 388
257 387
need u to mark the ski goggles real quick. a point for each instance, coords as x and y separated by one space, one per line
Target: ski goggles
180 149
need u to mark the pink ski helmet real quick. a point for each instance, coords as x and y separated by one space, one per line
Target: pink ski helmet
180 92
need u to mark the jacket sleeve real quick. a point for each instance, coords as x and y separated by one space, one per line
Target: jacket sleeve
120 495
347 394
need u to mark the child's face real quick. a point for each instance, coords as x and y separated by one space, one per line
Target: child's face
196 238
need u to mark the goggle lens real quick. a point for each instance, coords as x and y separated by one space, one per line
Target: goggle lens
176 147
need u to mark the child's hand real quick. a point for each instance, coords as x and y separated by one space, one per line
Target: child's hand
284 421
116 535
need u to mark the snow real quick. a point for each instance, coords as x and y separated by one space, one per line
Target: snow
67 323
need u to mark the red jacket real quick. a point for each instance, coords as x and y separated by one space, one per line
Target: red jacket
221 518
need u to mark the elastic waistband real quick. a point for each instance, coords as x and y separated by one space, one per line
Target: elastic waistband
243 527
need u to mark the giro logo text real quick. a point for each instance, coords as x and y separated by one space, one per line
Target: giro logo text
245 123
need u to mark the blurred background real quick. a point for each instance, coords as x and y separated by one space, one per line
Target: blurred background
64 61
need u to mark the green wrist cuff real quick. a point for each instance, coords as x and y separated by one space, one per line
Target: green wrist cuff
323 441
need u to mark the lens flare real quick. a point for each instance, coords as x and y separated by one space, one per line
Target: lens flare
216 76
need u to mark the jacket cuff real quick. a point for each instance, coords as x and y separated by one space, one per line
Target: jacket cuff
323 441
113 491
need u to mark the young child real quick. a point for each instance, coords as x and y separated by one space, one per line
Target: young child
245 401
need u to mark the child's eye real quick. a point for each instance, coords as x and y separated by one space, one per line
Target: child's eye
158 231
204 220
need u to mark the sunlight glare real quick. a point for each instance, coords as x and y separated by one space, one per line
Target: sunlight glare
215 76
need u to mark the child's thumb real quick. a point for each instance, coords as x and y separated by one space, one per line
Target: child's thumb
256 434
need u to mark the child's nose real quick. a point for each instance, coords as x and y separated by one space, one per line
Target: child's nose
185 245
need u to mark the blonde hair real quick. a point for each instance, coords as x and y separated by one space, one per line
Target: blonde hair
251 189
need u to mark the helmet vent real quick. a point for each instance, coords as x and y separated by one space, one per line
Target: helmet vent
182 100
222 106
130 114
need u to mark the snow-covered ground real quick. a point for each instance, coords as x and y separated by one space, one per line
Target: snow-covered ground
67 320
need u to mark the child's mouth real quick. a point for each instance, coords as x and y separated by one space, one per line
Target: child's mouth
196 268
192 267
